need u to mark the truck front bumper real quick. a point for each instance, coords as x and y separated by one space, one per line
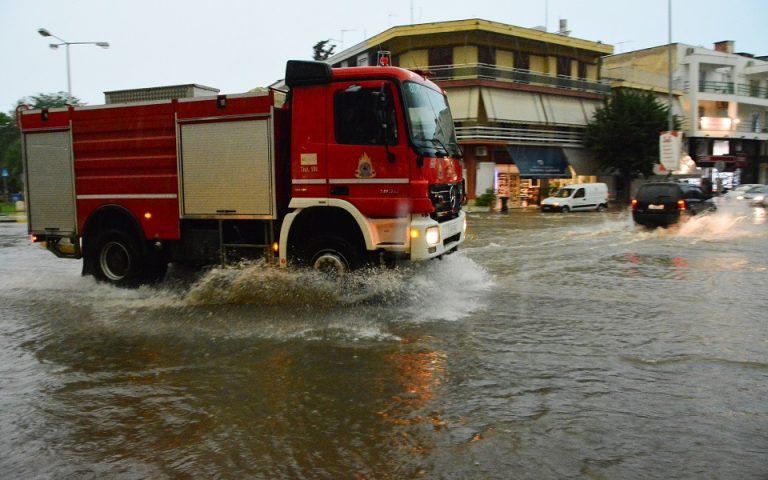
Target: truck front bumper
430 239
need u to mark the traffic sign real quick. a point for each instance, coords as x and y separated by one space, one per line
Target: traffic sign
669 150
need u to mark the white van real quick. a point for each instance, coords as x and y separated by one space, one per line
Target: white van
576 197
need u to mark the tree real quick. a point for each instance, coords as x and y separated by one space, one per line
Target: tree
624 134
49 100
10 140
322 50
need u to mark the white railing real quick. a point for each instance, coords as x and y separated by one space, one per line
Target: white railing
515 75
541 136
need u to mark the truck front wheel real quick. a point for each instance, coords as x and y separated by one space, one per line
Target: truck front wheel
332 255
117 259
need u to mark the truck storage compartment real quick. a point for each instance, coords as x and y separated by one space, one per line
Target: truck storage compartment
50 186
227 169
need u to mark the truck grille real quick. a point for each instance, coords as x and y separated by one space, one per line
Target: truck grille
447 200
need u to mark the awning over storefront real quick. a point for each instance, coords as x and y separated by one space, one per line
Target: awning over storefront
540 162
464 103
737 161
511 106
568 110
535 108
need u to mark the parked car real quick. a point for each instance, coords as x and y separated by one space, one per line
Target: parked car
738 192
757 196
660 204
577 197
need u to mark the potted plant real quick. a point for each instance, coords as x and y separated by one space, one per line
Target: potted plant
486 200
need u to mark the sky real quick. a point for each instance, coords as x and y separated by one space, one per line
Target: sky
236 45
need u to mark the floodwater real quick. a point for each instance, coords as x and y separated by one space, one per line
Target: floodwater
551 347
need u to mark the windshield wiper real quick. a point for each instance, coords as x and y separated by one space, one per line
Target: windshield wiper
437 141
457 153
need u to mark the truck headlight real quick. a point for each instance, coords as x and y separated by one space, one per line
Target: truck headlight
432 236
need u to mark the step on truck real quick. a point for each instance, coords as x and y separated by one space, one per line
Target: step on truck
356 167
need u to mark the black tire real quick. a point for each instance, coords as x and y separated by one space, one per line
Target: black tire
601 208
117 258
565 210
332 255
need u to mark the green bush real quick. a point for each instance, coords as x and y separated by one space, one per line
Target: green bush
486 199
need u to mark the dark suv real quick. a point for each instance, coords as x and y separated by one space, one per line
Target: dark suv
663 203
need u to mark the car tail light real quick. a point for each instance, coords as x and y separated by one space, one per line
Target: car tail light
634 204
681 204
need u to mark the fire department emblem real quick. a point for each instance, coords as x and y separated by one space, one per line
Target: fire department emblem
365 167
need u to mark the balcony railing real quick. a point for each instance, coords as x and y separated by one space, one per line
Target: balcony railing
555 137
730 88
514 75
727 125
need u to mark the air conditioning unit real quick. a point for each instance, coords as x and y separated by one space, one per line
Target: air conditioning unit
481 151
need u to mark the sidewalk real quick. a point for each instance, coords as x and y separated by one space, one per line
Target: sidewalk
18 217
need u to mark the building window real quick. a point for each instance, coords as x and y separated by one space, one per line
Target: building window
582 70
364 60
564 66
486 55
522 61
440 56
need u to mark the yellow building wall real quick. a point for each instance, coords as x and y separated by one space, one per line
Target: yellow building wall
505 58
551 65
464 54
592 72
539 64
415 59
645 67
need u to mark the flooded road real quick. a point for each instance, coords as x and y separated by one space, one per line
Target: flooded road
551 347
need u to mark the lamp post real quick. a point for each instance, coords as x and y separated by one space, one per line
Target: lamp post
670 122
45 33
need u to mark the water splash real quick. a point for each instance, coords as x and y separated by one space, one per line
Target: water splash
430 286
727 223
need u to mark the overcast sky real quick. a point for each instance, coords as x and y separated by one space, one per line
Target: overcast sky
236 45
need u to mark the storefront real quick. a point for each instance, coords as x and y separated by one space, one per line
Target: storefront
523 175
524 182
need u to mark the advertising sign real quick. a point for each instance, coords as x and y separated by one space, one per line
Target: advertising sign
669 150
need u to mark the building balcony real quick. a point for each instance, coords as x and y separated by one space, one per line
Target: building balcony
731 127
731 88
481 71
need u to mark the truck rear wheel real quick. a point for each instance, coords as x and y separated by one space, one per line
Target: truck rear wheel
117 259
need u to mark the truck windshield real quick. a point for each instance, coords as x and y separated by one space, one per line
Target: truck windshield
429 119
564 193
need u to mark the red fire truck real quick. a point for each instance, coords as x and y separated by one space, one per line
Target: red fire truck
359 166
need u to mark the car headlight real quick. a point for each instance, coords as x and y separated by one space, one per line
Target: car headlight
758 198
556 204
432 235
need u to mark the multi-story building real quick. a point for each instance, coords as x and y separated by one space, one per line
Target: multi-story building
721 96
520 98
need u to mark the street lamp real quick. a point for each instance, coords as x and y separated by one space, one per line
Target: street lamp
45 33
